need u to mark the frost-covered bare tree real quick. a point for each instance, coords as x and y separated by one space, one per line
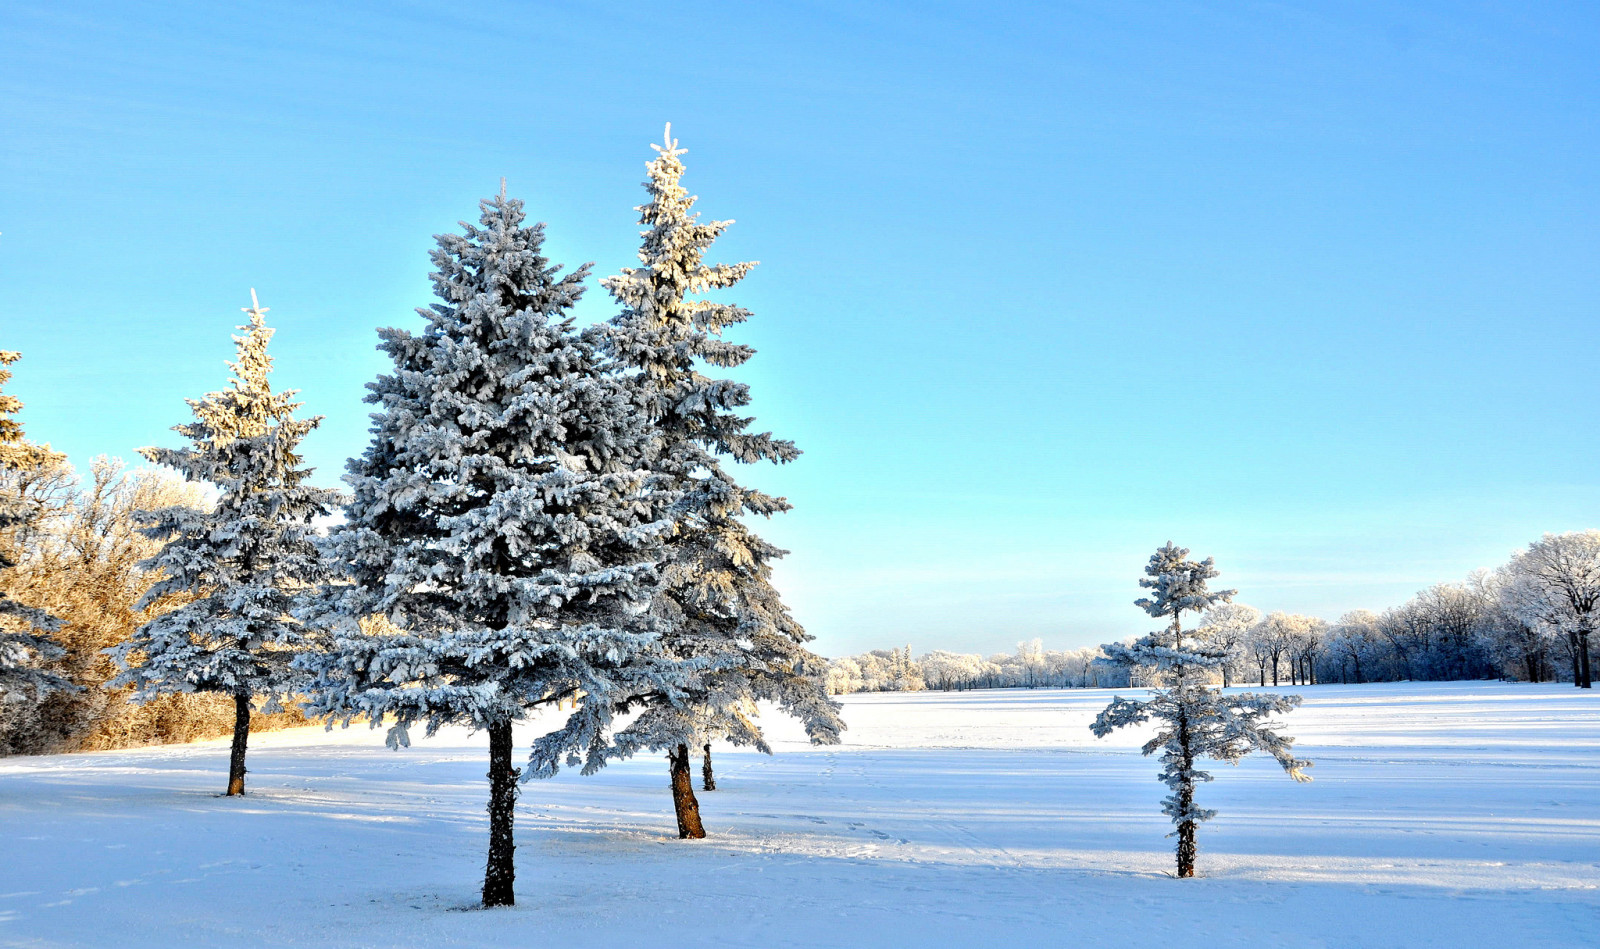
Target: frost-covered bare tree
1279 636
500 548
1353 640
1526 627
1227 627
715 600
1193 720
238 563
1564 570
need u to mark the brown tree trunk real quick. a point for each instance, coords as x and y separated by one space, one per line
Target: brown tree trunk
707 778
241 738
500 876
683 799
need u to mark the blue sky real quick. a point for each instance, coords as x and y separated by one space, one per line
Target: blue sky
1308 287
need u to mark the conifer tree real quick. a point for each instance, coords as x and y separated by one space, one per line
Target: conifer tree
25 645
715 600
1194 721
500 545
242 561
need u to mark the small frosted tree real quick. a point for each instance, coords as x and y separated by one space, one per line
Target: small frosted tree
239 563
500 546
1193 720
26 648
715 601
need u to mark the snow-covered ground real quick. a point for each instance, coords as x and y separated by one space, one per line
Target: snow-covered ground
1442 815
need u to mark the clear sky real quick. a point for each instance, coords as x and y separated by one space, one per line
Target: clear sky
1308 287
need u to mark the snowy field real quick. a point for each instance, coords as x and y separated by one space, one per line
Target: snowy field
1442 815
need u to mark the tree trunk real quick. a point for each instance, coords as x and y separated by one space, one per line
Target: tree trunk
707 777
1186 847
241 738
683 799
1577 670
1583 651
499 877
1186 842
1227 680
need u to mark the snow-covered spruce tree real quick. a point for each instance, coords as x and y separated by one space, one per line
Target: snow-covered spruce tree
500 544
1194 721
716 601
25 644
243 561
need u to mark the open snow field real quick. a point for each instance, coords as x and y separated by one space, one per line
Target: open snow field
1457 814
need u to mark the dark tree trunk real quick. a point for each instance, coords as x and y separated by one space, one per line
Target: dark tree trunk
1583 652
1186 842
1577 670
707 777
1186 847
241 739
499 878
683 800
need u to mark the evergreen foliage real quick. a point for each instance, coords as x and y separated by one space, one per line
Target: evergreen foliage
1194 721
500 545
240 562
715 600
26 648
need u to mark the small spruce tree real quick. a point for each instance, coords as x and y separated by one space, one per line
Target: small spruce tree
26 649
715 601
1194 721
500 545
240 563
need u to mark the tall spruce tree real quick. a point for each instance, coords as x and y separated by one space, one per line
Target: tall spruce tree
1194 721
26 648
243 561
715 601
500 546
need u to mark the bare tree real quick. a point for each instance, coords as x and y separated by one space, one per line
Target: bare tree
1566 571
1227 627
1353 639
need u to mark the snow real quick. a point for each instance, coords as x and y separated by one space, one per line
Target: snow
1444 814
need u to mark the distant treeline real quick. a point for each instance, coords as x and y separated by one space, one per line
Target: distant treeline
1527 620
1031 667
